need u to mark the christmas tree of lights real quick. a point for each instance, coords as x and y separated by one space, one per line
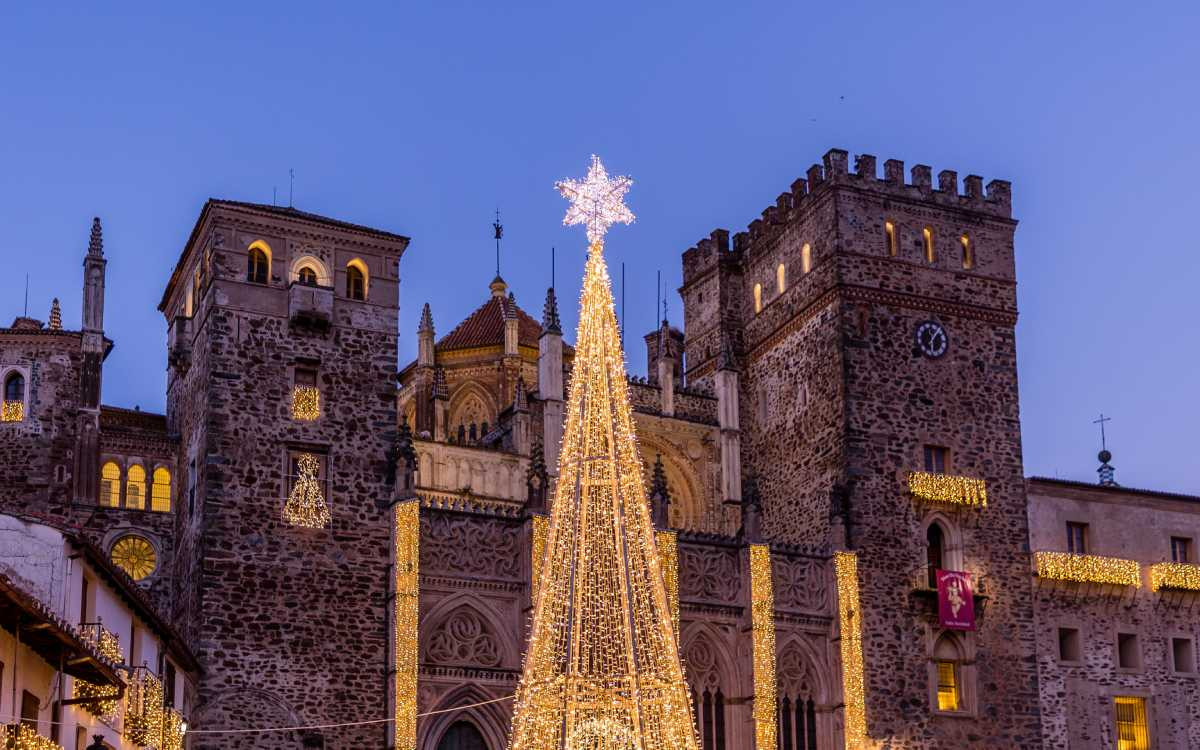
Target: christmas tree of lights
602 671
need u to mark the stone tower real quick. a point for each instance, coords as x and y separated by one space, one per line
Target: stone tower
283 341
871 324
87 441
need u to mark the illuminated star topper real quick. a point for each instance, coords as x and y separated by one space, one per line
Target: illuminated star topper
596 202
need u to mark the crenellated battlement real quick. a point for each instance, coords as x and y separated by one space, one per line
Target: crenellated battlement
834 171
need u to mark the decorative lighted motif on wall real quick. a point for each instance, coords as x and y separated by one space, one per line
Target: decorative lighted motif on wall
947 488
173 730
1068 566
668 560
144 708
306 505
845 566
540 526
135 555
762 622
306 403
1175 575
12 411
956 600
406 539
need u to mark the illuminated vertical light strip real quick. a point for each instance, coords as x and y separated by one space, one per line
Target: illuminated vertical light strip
850 623
539 529
762 619
668 559
406 542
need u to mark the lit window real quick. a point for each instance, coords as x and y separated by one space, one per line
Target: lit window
1181 549
135 555
927 236
1132 731
968 255
356 280
257 266
135 488
13 409
195 298
889 231
780 278
160 491
758 298
110 484
947 686
1077 538
306 503
806 258
306 397
307 276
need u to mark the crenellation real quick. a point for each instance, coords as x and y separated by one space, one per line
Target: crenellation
973 185
948 182
799 190
999 192
864 167
893 172
814 176
922 177
835 161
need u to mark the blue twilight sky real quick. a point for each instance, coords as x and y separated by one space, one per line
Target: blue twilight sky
421 118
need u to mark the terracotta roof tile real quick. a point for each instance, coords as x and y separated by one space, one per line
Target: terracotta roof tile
485 327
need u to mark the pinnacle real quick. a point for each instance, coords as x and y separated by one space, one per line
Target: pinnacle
55 316
510 309
426 320
550 321
96 242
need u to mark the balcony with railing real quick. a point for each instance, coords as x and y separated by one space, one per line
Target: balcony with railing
1174 576
24 737
922 585
948 489
144 715
1074 567
102 701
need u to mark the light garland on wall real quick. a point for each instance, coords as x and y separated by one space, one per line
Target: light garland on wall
762 619
12 411
539 530
144 708
602 656
306 403
1068 566
22 737
668 558
306 505
102 701
947 488
1175 575
845 566
173 730
406 543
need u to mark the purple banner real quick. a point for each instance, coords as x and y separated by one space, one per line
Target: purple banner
956 601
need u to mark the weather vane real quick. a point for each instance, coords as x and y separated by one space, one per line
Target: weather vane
597 202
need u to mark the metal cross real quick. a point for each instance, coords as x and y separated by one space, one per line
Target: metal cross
1101 421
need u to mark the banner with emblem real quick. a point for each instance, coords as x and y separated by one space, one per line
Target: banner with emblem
956 600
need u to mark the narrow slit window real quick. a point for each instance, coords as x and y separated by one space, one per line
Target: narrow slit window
889 231
968 253
356 280
780 279
927 237
758 298
806 258
257 266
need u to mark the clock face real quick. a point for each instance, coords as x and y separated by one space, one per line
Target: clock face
932 339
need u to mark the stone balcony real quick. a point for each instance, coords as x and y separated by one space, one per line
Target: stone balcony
310 306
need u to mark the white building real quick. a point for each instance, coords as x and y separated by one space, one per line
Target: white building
84 657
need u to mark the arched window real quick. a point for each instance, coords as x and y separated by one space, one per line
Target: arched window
806 258
258 266
947 662
935 551
780 279
462 735
927 236
110 484
797 707
135 487
704 676
889 231
758 298
160 490
968 254
307 276
13 408
356 280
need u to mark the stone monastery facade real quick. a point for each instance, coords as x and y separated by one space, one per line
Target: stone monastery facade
843 391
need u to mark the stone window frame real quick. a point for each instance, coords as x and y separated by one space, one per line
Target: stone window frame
149 464
1172 535
968 672
1116 632
26 372
1176 635
324 453
1121 692
116 533
1079 626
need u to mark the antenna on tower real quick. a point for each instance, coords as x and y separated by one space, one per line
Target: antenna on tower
496 225
274 195
552 266
622 304
291 186
26 313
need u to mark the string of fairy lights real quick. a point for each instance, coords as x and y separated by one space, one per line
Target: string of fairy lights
762 623
406 543
948 488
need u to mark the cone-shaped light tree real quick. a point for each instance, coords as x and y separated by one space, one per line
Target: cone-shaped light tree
602 671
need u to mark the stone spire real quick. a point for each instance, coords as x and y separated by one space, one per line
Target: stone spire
660 495
520 398
511 323
550 321
536 480
426 320
55 316
96 243
425 353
